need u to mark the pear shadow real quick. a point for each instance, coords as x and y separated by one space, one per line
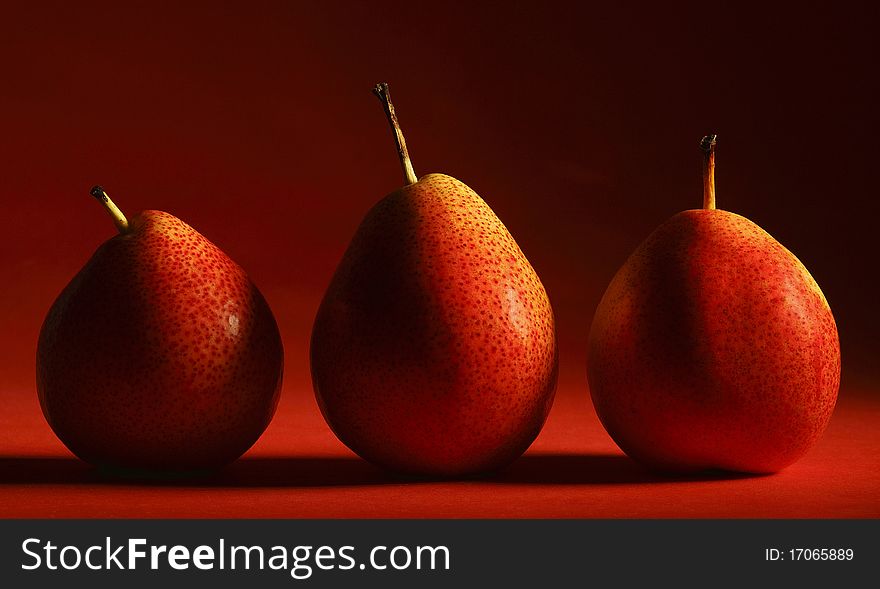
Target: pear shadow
597 469
300 471
20 470
244 473
312 472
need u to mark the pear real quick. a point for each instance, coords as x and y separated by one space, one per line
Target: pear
713 346
434 348
160 354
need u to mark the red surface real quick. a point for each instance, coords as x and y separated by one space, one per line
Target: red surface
577 122
299 470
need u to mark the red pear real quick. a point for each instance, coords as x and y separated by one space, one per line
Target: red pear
434 349
160 354
713 347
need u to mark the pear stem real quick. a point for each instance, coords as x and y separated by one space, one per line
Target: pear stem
381 91
118 218
708 147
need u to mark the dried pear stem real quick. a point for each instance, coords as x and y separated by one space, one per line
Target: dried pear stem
708 147
118 218
382 92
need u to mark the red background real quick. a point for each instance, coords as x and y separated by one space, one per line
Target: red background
577 123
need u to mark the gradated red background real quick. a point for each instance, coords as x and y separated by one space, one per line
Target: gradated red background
578 123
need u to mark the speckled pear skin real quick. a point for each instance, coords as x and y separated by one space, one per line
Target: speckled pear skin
713 348
434 349
160 354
